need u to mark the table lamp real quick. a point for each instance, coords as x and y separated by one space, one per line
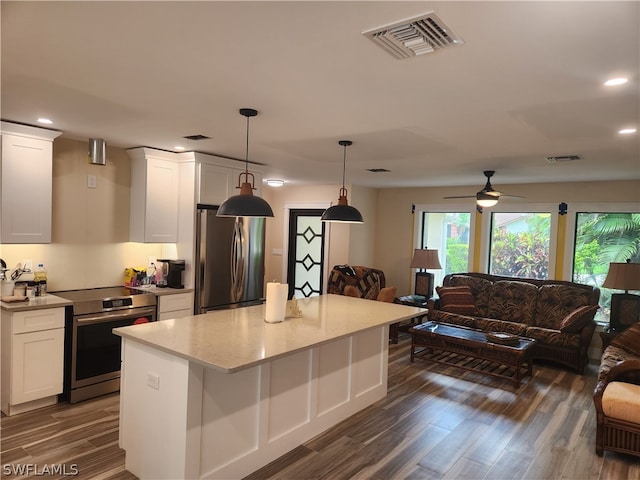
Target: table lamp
425 259
625 307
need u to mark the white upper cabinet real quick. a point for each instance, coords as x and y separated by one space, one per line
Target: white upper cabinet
217 182
26 168
154 197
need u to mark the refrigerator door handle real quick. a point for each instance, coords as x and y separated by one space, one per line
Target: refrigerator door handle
237 262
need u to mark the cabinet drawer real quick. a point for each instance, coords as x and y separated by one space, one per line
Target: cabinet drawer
171 303
36 320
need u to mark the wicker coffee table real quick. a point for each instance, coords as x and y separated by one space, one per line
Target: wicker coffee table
469 349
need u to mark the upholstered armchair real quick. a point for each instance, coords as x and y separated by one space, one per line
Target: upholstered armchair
363 282
366 280
617 395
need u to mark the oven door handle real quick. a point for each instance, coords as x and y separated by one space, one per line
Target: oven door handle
114 316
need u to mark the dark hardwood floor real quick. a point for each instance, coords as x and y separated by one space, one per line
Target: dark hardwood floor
436 422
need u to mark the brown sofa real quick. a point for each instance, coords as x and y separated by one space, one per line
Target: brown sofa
557 314
617 395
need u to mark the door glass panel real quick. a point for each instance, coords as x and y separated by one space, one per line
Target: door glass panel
306 253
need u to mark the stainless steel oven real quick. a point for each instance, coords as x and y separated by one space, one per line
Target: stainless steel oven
92 351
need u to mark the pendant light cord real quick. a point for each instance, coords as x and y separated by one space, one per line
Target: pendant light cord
344 164
246 157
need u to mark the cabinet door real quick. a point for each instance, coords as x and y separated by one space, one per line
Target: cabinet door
161 219
37 365
175 306
26 189
216 184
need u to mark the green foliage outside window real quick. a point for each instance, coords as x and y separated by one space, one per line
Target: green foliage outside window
602 238
523 254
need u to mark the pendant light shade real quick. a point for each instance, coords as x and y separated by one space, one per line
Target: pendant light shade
245 204
342 212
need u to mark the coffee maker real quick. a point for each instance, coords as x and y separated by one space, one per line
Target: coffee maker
172 273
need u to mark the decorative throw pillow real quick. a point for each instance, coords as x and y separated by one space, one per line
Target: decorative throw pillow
387 294
578 319
629 340
351 291
457 300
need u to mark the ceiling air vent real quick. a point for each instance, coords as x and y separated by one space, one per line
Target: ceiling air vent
414 36
563 158
378 170
196 137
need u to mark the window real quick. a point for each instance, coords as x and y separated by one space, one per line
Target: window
600 236
520 244
449 232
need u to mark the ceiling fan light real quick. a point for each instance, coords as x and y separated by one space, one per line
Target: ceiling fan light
485 199
487 203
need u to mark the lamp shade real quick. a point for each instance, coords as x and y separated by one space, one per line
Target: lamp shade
342 212
244 205
425 258
623 276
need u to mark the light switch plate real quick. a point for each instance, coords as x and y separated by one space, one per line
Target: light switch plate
92 181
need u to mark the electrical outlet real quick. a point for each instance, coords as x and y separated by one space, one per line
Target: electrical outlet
92 181
153 380
27 265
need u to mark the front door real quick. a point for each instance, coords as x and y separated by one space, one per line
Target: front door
306 253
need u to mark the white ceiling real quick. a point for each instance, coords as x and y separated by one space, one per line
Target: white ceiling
526 83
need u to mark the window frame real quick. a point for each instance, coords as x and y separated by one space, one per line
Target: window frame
570 227
485 230
420 209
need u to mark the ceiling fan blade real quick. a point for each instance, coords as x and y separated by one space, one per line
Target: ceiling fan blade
462 196
513 196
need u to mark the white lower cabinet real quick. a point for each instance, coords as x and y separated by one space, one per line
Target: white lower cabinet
32 359
175 305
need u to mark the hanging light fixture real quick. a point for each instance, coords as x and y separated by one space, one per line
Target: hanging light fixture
342 212
245 204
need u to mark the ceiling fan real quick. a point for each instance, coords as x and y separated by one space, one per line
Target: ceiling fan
487 197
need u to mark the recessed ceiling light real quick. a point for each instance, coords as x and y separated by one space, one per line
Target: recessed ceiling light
627 131
273 182
178 147
45 121
615 81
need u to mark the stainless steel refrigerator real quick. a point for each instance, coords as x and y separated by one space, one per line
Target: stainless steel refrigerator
229 269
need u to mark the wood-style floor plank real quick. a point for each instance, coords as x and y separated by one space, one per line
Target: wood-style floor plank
437 422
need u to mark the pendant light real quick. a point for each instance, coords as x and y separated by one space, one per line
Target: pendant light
342 212
245 204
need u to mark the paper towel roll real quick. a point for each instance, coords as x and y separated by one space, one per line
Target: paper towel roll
276 302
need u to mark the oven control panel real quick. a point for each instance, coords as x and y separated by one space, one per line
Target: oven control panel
117 303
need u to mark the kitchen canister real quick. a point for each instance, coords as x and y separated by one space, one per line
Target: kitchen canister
6 288
276 305
20 290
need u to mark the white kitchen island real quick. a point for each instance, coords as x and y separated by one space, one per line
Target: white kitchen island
222 394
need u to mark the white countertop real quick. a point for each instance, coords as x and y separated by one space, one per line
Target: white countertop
235 339
35 303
